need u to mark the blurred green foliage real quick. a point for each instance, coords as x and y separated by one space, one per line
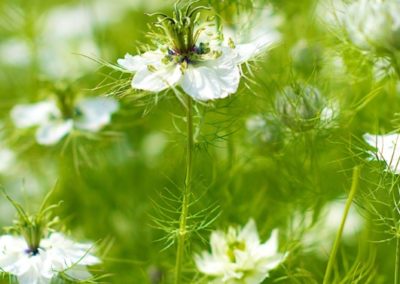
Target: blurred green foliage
114 188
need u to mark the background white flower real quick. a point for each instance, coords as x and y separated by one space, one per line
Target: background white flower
319 236
254 33
387 149
373 24
56 254
90 114
238 256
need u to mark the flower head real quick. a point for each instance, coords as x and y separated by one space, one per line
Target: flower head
204 70
55 119
374 24
56 254
387 149
237 256
36 254
253 33
319 233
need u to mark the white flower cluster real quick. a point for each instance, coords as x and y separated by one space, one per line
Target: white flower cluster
238 256
56 254
90 114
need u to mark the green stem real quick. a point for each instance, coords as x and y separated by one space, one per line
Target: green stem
182 233
332 257
397 263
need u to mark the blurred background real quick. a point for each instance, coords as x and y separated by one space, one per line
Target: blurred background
253 159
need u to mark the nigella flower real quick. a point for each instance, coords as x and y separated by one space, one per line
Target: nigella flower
253 33
203 71
319 234
36 254
56 119
387 149
238 256
56 254
374 24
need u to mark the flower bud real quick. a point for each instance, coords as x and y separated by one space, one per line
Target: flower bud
299 107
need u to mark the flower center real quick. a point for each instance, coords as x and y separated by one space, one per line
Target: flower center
191 56
233 246
32 251
181 33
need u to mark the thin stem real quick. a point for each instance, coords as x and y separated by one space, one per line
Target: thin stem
182 233
397 263
395 64
332 257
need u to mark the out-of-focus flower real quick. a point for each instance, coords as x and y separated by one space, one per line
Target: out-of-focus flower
67 34
253 33
56 254
7 159
237 256
302 108
374 24
319 236
15 52
387 149
55 121
153 146
265 129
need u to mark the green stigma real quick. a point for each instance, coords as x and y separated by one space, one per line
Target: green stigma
182 30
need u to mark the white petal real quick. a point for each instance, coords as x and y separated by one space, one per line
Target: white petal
270 248
138 62
214 79
201 84
28 115
218 244
209 265
163 77
249 233
95 113
52 132
78 272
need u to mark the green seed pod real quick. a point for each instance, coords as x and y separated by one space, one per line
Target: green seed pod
299 107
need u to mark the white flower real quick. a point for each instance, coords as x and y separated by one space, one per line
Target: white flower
90 114
204 69
15 52
238 256
319 236
211 78
387 149
56 254
68 32
254 33
373 24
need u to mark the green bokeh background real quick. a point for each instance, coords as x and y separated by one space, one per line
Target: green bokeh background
113 187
